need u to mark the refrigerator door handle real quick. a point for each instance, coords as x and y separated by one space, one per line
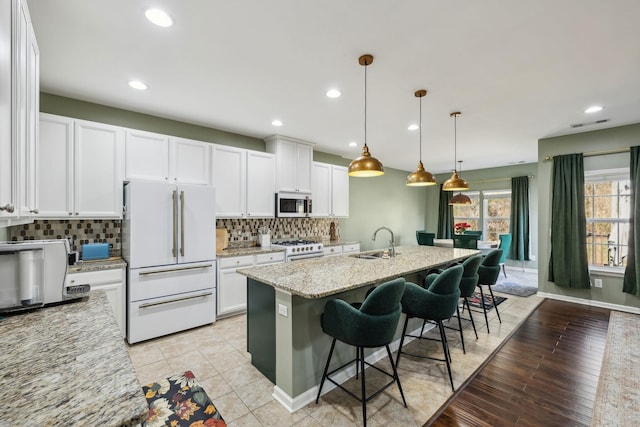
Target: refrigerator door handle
174 300
173 270
174 251
182 223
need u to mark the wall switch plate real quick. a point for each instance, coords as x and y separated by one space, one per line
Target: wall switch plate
282 310
597 283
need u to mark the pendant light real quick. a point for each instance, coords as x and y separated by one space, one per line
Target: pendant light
460 199
455 183
421 177
365 165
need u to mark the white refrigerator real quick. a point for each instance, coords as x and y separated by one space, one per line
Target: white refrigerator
169 243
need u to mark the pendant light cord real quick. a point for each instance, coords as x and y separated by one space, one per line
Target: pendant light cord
421 129
365 103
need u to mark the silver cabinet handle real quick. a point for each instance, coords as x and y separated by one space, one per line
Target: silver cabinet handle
174 251
8 207
35 211
174 300
173 270
182 223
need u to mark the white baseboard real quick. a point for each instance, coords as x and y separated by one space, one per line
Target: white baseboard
521 269
589 302
308 396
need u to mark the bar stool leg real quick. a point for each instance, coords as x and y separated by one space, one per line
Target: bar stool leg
484 308
494 304
326 369
404 331
364 391
466 301
395 375
464 351
445 349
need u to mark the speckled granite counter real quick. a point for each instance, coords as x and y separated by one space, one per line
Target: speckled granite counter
67 366
253 250
97 265
321 277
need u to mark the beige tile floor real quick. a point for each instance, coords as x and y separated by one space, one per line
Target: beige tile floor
217 355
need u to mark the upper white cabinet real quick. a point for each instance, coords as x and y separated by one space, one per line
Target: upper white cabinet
330 190
244 181
19 104
293 163
81 168
153 156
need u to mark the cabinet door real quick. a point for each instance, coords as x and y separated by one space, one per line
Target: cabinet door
146 155
232 292
190 161
197 223
55 164
6 159
321 189
230 181
304 159
99 171
31 194
261 184
287 159
340 191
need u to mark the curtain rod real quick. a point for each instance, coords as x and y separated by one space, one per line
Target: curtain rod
496 180
598 153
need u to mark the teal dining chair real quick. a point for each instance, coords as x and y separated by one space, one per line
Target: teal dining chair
474 233
465 241
505 244
425 238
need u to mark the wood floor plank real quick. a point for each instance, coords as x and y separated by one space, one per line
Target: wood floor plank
545 374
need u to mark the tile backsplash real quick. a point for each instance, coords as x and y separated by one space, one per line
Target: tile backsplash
244 232
81 231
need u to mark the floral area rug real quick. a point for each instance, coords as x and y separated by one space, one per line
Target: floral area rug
180 401
474 301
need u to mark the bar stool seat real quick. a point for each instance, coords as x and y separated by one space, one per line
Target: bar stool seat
372 324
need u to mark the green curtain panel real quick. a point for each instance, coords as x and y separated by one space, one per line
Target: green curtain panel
632 271
568 266
519 227
445 215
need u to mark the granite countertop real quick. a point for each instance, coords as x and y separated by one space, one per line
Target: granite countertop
321 277
67 365
97 265
252 250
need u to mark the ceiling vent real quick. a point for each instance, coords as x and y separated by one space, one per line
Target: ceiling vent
597 122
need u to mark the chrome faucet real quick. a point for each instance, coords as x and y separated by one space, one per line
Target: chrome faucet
392 248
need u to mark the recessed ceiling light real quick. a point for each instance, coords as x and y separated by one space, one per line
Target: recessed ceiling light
413 127
137 84
593 109
277 122
159 17
353 144
333 93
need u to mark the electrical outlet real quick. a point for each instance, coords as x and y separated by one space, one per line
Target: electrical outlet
532 257
282 310
597 283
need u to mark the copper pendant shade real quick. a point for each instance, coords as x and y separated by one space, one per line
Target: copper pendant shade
421 177
460 199
365 165
455 183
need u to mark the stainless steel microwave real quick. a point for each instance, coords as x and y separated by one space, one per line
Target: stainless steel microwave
293 205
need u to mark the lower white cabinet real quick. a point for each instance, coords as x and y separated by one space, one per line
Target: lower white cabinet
341 249
112 282
232 286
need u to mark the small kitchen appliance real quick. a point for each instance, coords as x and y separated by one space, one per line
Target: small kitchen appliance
293 205
32 274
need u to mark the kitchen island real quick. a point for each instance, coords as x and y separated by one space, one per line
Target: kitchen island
285 302
67 365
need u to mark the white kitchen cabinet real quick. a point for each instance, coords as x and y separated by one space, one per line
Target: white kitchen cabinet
232 286
293 163
81 168
190 161
19 104
112 282
332 250
341 249
351 248
244 181
330 190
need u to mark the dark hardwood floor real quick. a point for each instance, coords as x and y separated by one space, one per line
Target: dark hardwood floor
546 374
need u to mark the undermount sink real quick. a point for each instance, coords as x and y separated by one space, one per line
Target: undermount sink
371 255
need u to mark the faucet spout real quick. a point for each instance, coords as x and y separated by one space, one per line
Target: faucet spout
392 247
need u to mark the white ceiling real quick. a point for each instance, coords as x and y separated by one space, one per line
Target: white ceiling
517 70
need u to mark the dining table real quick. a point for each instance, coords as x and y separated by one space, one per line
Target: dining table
484 246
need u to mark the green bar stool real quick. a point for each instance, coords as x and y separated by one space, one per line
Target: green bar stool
488 273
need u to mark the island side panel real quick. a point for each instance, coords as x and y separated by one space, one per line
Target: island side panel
261 327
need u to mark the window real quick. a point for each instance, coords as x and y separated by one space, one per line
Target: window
497 213
607 207
468 213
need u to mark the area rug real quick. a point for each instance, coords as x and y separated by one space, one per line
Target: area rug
617 400
475 301
515 289
180 401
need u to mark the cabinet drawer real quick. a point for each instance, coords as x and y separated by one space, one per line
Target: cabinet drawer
332 250
95 277
351 248
155 282
236 261
161 316
273 257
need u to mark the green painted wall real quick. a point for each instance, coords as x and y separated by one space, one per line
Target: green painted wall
100 113
607 139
